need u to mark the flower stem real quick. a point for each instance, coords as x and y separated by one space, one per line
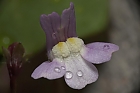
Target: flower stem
13 85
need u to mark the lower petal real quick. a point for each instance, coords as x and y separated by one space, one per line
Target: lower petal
79 73
98 52
49 70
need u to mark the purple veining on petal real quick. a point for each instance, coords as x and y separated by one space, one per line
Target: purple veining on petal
55 22
49 70
57 28
47 27
98 52
68 21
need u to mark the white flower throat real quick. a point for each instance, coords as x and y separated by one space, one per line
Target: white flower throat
65 49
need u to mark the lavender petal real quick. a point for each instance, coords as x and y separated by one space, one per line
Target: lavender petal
50 24
68 21
79 72
98 52
49 70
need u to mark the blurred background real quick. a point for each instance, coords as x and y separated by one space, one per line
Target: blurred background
115 21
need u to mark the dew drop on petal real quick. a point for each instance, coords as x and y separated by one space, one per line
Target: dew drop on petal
57 69
106 47
68 75
62 67
53 35
80 73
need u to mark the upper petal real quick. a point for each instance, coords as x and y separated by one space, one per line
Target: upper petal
68 21
50 24
98 52
49 70
79 73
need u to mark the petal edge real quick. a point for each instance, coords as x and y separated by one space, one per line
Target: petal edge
49 70
98 52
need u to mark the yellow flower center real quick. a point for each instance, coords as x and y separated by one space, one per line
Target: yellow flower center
64 49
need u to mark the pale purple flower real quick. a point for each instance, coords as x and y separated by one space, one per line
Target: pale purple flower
68 54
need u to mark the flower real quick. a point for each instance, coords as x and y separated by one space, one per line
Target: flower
70 57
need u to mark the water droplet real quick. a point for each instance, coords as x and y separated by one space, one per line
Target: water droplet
106 47
68 75
80 73
62 67
57 69
54 35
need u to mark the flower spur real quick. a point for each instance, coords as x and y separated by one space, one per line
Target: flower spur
68 54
